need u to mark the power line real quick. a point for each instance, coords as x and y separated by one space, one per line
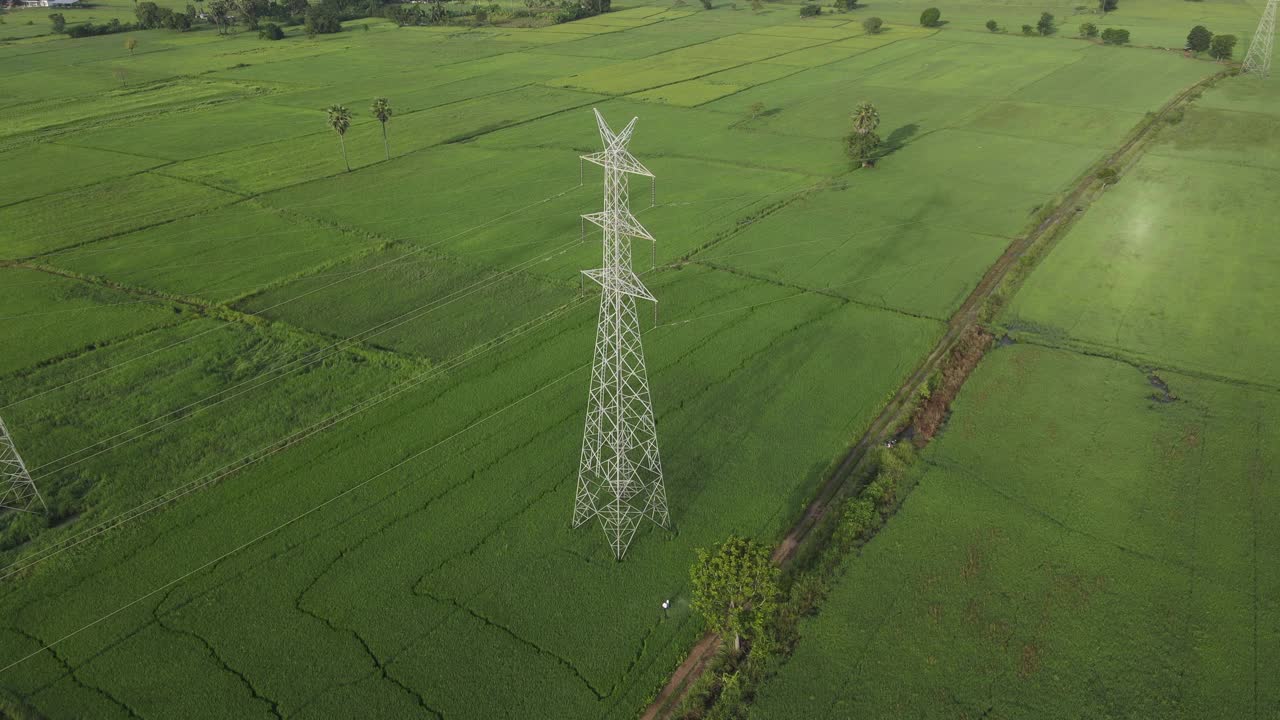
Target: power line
275 446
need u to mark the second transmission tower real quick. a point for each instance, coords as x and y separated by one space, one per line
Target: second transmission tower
620 472
1258 59
17 489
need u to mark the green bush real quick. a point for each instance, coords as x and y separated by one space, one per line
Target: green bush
1115 36
1028 30
1222 47
1088 30
930 17
1045 25
271 31
872 25
322 21
809 10
993 26
1199 38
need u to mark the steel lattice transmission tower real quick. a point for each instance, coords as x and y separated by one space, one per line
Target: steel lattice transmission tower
620 473
17 489
1258 60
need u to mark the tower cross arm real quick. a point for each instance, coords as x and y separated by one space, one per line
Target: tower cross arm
623 281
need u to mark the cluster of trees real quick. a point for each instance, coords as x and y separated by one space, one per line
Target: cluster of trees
739 591
1110 36
223 14
435 12
151 16
340 122
1044 26
1220 47
809 9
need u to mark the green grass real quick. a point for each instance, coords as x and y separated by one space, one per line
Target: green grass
1073 548
74 217
1172 265
418 555
45 317
217 256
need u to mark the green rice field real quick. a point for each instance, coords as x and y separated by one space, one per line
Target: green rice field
1089 537
308 437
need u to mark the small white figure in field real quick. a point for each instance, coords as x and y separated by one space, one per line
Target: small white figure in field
666 604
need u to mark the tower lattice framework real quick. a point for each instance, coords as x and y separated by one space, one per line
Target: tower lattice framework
620 472
17 489
1258 59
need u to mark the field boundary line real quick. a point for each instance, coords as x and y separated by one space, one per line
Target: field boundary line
965 318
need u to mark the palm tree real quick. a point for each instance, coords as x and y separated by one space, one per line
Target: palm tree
340 120
863 141
381 109
865 118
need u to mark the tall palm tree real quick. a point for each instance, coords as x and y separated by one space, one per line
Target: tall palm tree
340 121
865 118
381 109
863 141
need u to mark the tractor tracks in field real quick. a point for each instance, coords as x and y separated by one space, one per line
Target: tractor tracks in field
967 318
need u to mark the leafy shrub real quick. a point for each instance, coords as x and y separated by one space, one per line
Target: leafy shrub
322 21
1088 30
809 10
993 26
930 17
1108 176
872 25
271 31
1045 25
1199 38
1222 47
1115 36
59 22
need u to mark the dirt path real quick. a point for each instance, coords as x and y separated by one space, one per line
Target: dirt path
882 428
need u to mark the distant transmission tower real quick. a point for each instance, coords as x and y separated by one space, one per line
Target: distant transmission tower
620 474
17 489
1259 58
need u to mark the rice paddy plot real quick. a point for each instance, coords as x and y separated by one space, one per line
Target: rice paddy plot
44 317
1146 271
413 302
220 127
224 254
153 408
259 169
75 217
490 496
1048 565
52 168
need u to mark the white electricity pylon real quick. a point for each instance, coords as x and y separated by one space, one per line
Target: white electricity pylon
620 472
1258 59
17 489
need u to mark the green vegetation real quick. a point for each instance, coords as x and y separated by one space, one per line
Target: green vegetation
1222 47
1199 38
1045 564
1060 552
390 356
734 586
930 17
1046 24
1115 36
862 141
1088 30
